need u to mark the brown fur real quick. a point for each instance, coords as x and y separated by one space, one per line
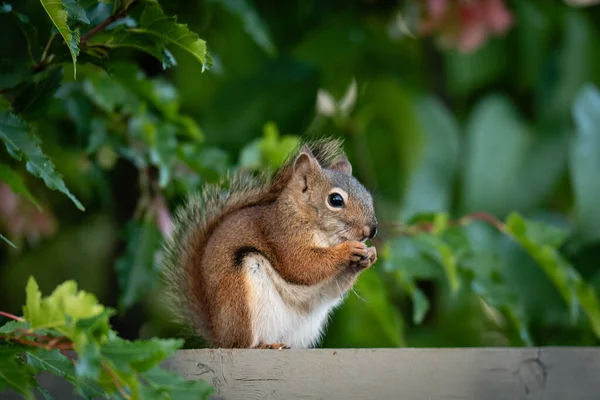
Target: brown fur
275 217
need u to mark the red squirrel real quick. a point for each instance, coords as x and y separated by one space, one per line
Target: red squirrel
262 263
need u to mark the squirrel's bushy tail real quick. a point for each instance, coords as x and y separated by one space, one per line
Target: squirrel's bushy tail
199 216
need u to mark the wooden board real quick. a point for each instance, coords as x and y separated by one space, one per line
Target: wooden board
473 374
406 374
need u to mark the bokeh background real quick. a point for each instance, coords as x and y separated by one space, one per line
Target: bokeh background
445 106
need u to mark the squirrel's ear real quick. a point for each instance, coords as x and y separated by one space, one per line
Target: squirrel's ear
343 165
305 162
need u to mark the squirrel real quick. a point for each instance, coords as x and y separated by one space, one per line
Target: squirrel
261 261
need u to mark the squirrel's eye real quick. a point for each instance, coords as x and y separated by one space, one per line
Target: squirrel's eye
335 200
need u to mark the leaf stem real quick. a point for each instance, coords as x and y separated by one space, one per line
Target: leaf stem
47 48
11 316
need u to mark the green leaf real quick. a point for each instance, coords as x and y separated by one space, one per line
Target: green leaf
584 162
13 179
165 31
574 290
431 183
14 374
75 314
509 167
58 14
52 361
59 365
139 355
75 11
121 37
276 149
12 326
20 143
166 384
488 282
497 142
254 25
137 270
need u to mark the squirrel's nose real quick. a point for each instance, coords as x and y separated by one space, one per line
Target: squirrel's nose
370 231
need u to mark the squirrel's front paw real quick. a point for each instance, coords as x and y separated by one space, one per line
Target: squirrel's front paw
357 251
368 260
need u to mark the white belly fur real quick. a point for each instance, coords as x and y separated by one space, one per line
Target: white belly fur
284 313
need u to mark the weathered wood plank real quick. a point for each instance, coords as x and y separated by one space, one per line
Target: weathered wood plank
474 373
449 374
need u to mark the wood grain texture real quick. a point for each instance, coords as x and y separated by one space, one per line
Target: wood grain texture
448 374
468 374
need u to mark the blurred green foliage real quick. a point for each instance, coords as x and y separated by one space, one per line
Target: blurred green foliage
483 164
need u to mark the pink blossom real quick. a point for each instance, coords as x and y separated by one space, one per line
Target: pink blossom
466 24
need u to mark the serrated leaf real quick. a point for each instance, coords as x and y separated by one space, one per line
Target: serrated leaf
122 37
254 25
14 374
571 286
52 361
584 162
75 11
166 31
140 355
64 310
20 143
58 15
13 179
167 384
59 365
12 326
136 268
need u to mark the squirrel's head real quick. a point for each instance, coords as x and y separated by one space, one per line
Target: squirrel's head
331 199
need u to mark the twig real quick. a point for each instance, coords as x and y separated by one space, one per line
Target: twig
11 316
428 226
109 20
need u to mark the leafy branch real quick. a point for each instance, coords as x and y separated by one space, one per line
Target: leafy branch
447 243
68 335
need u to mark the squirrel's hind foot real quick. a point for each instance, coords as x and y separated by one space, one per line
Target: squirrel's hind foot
275 346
